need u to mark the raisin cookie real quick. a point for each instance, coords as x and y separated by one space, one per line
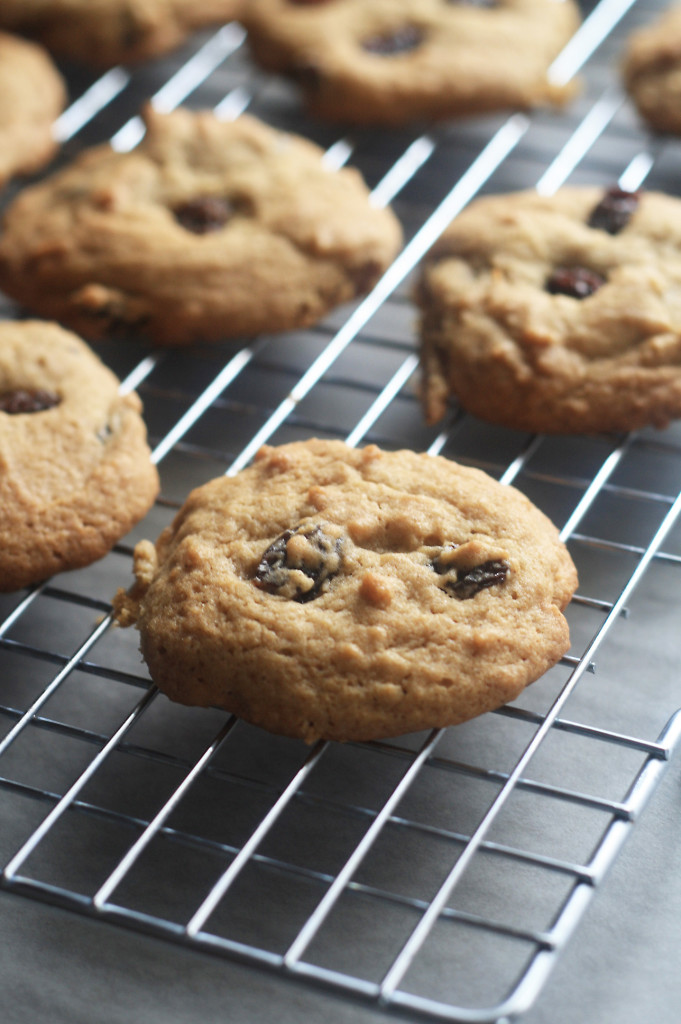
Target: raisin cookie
102 33
392 61
557 314
209 229
32 96
351 594
652 71
75 472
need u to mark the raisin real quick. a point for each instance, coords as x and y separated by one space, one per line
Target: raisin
22 400
205 214
469 582
322 562
402 40
577 282
614 210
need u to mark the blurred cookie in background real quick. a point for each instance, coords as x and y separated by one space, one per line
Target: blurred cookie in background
556 314
32 95
652 71
102 33
75 468
210 229
393 61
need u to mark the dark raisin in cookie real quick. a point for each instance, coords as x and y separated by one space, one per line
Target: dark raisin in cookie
351 594
300 562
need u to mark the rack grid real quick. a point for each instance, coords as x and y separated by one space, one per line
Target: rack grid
438 875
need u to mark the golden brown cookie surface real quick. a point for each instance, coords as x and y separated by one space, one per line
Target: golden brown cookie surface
102 33
556 314
32 96
351 594
209 229
75 473
391 61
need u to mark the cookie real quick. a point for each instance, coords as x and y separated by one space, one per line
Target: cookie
75 472
32 96
557 314
328 592
392 61
651 69
102 33
209 229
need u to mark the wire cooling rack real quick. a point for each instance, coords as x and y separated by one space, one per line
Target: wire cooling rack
438 875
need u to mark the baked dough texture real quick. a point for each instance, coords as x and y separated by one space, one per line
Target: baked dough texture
102 33
546 314
209 229
392 61
75 471
651 69
32 95
327 592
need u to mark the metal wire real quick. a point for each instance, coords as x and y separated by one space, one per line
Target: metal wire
402 972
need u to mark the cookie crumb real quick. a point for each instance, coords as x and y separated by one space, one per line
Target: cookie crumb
375 590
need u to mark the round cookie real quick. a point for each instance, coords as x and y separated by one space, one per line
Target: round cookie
75 472
32 96
392 61
328 592
209 229
651 69
102 33
557 314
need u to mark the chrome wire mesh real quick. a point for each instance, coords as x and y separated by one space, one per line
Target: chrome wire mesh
437 875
